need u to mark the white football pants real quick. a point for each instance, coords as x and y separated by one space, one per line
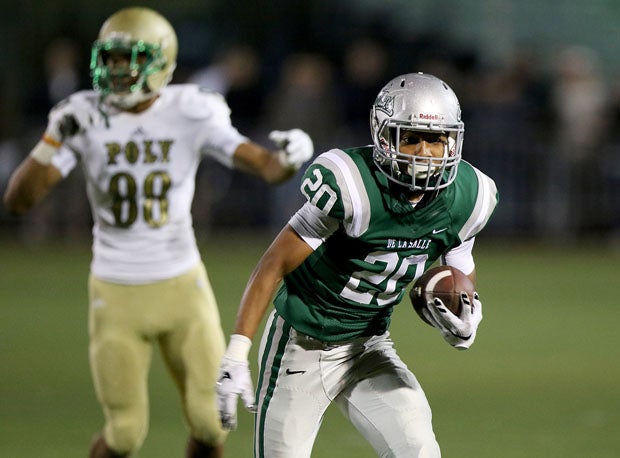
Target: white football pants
300 376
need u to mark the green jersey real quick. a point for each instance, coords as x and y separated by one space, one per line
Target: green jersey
348 286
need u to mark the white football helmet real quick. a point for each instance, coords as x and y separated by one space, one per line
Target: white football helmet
423 103
150 43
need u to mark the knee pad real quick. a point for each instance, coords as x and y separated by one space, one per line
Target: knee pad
204 423
125 433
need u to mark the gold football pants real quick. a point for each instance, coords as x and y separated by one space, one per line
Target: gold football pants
181 316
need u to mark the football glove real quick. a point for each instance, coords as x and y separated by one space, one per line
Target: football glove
459 331
62 123
234 380
296 147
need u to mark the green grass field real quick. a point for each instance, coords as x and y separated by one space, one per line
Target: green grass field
542 380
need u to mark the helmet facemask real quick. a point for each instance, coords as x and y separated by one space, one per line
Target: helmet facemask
419 173
144 59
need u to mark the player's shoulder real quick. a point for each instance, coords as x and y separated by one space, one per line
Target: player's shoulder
340 168
473 183
469 172
336 182
195 102
474 199
350 161
84 106
85 100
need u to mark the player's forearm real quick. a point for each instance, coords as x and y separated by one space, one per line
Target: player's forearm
28 185
284 255
254 303
254 159
259 291
275 172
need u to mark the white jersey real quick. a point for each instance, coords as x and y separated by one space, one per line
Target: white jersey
140 173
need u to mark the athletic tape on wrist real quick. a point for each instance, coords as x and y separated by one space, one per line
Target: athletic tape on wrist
283 158
43 152
238 347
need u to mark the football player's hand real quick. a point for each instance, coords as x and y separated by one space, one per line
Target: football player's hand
296 147
459 331
62 123
234 381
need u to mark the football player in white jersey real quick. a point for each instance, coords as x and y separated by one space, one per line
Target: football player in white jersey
375 219
139 142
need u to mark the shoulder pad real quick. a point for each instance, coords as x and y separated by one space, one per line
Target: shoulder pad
82 100
484 198
199 103
83 106
333 183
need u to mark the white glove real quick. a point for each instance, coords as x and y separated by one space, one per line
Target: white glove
459 331
234 380
296 147
62 122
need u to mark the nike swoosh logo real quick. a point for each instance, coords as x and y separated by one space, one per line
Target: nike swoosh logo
437 231
290 372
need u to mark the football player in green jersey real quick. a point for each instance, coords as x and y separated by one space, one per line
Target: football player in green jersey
375 219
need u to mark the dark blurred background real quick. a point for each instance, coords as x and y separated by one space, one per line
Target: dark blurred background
538 84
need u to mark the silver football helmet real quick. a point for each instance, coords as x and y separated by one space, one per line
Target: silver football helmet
150 44
422 103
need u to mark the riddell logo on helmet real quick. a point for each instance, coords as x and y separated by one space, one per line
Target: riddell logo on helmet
429 117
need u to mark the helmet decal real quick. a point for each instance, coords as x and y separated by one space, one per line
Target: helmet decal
385 103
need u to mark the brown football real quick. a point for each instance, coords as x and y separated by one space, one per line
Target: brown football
442 282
